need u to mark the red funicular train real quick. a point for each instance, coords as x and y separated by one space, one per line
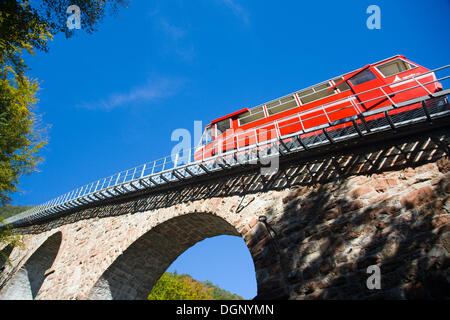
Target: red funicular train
374 86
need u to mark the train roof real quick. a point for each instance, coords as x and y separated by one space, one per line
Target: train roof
290 94
229 115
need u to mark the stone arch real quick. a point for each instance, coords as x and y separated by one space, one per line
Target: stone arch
134 273
28 280
4 254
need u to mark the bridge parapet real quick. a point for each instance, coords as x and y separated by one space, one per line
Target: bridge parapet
327 218
181 167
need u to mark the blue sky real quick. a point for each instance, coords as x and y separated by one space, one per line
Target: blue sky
113 98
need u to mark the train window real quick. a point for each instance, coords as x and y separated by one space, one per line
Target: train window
286 99
206 137
305 92
273 104
223 126
343 86
320 91
394 67
362 77
281 105
322 86
253 114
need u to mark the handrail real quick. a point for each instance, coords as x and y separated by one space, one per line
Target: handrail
310 87
153 173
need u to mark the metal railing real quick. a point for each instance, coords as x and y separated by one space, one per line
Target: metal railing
239 149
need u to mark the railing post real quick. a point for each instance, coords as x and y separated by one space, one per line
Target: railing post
98 182
51 206
118 176
83 192
110 179
190 155
326 114
355 106
176 161
277 130
92 184
428 91
70 195
51 202
64 198
143 170
57 200
103 184
301 122
78 192
393 103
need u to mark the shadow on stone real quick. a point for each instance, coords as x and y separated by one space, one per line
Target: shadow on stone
27 281
134 273
345 211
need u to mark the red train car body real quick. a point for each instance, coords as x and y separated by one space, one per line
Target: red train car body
371 87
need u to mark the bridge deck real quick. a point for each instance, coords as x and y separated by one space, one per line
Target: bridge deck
434 109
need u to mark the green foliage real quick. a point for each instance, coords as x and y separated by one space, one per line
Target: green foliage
8 239
21 28
218 293
9 210
172 286
92 13
20 140
25 28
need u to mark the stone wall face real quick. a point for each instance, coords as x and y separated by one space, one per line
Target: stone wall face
329 234
90 247
326 220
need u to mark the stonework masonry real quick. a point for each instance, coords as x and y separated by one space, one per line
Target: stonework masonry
327 219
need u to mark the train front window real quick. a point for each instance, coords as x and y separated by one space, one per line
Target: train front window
343 86
223 126
362 77
206 137
394 67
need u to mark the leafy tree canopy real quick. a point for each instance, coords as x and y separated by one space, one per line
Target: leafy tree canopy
8 240
24 27
19 139
28 25
9 211
172 286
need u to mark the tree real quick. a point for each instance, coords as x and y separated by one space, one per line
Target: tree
172 286
24 27
8 240
93 11
20 140
178 287
9 210
20 29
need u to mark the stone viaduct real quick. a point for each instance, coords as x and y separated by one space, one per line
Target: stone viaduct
312 228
